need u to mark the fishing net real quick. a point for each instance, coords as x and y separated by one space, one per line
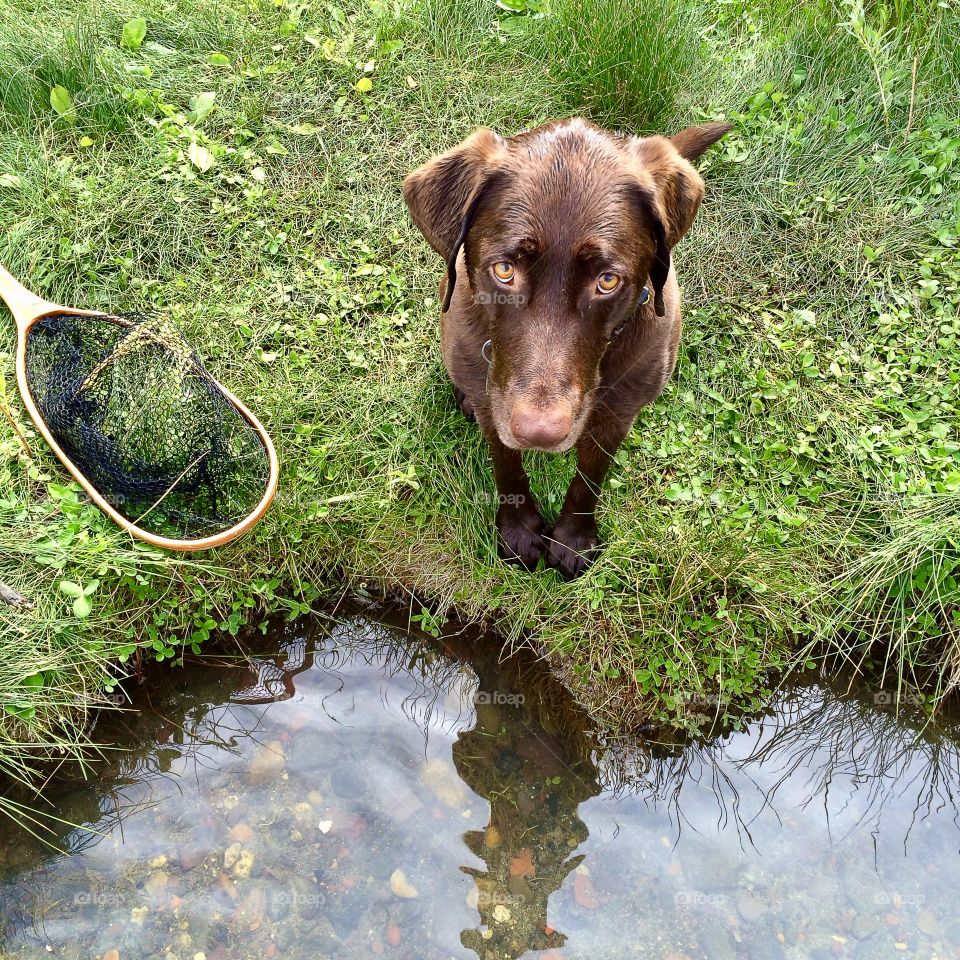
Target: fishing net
133 408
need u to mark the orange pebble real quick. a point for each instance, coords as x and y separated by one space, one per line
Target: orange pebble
583 892
522 864
299 721
393 935
241 833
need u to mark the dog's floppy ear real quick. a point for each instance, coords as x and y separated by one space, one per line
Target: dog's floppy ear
671 190
438 194
443 195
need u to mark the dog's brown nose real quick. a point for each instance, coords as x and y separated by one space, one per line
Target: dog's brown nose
544 427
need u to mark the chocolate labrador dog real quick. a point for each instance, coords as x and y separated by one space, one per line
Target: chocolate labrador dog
561 310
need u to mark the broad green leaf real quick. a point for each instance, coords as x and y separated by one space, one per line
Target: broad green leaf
62 103
82 607
71 589
202 104
364 85
11 181
34 680
218 60
24 713
85 142
200 157
133 33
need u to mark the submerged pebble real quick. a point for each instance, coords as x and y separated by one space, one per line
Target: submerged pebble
750 906
401 886
241 833
442 780
238 859
267 763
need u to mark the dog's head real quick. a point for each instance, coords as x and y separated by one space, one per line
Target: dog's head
561 228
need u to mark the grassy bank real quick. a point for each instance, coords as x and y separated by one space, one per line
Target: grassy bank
238 165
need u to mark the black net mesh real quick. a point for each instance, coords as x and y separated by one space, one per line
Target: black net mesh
132 407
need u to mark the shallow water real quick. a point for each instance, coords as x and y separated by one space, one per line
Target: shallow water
392 796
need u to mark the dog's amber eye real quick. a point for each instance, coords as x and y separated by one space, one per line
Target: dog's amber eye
503 271
608 282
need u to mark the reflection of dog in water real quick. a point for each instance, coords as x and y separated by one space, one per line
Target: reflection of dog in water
533 792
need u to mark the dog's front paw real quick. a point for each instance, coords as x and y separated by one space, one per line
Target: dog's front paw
572 546
520 536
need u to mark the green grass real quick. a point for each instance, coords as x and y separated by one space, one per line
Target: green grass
796 488
623 64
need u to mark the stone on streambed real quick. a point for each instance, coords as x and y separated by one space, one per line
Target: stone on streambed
193 853
394 797
488 716
346 784
750 907
249 913
278 904
871 948
238 859
520 887
444 782
241 833
502 914
717 944
545 753
714 873
156 883
865 925
311 751
324 941
401 886
268 763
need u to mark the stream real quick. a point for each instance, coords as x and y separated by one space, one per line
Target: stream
364 791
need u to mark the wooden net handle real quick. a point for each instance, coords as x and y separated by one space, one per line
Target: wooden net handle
25 305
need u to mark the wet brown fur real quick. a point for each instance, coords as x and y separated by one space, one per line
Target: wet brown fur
564 203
